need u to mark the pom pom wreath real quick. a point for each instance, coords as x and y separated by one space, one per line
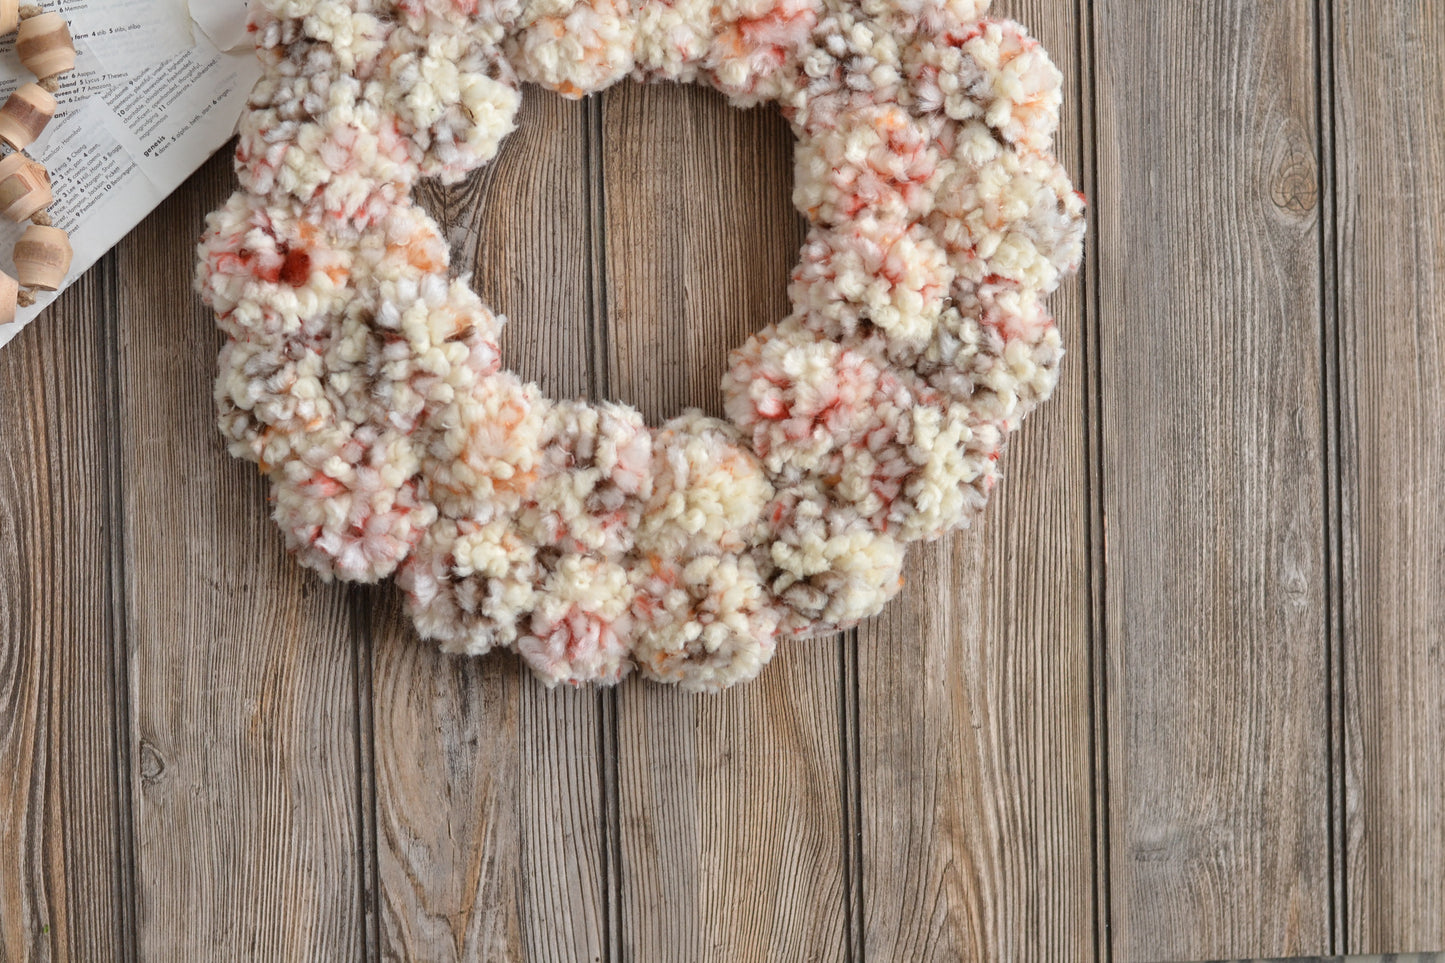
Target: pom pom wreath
369 387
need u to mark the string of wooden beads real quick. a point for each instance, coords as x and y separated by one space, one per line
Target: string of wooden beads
42 255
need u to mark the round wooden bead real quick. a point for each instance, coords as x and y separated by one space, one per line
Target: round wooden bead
42 257
9 16
24 187
45 45
25 114
9 297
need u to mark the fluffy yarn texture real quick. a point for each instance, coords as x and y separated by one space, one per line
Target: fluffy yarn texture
369 387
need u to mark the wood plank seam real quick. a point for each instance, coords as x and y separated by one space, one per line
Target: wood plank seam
369 855
859 895
599 374
1095 531
599 380
127 938
1326 150
851 851
611 836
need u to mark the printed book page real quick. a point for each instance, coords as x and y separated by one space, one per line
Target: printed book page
158 87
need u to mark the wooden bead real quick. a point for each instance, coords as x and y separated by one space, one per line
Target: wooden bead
25 115
9 16
9 297
42 257
24 187
45 45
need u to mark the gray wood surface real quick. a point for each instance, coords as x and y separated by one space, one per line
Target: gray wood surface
975 690
1389 151
478 766
65 876
1213 470
727 854
243 775
1177 696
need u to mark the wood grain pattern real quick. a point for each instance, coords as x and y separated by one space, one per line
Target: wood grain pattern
446 773
212 754
243 691
64 875
489 786
730 807
1209 289
975 689
1390 157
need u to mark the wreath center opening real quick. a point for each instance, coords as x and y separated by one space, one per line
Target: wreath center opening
632 240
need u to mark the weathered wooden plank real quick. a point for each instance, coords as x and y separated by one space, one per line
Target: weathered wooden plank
489 806
731 806
1389 67
1086 105
975 688
64 876
1213 467
1390 958
445 732
243 712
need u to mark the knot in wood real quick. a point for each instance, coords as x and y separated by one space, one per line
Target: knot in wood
1295 186
152 763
